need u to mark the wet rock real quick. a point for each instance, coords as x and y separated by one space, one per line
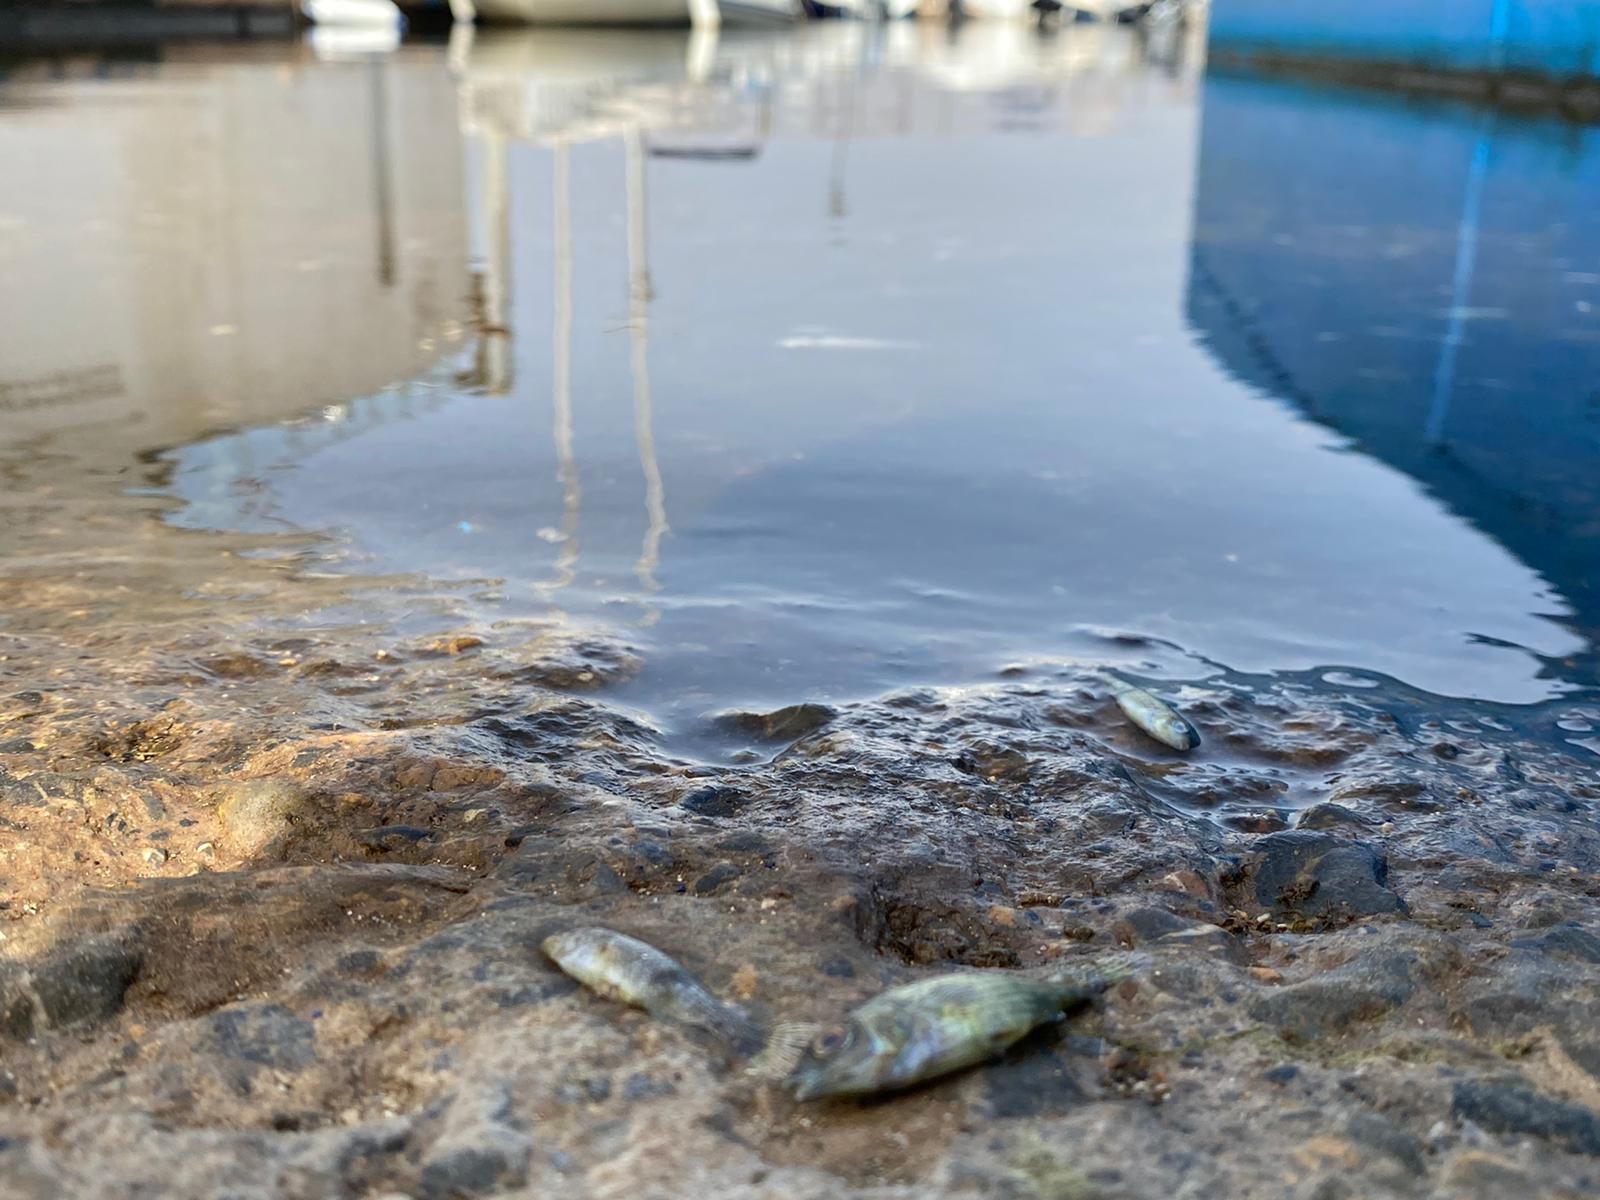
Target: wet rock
1513 1109
1332 816
839 967
256 812
991 761
1159 927
1363 989
780 725
715 800
266 1035
1317 875
395 837
715 878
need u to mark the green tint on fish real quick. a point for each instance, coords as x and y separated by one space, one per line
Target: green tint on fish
625 969
930 1028
1156 717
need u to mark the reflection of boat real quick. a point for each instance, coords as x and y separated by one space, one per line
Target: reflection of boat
361 13
640 12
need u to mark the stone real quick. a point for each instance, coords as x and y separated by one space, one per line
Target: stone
266 1035
82 984
1510 1108
1362 989
1386 1137
395 837
472 1171
781 724
256 812
714 800
1328 815
715 878
1158 927
1308 874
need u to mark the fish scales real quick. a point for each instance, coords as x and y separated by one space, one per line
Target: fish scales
929 1028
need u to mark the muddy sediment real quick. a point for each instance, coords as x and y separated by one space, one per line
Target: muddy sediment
274 878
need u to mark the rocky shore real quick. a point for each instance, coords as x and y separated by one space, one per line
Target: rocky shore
273 879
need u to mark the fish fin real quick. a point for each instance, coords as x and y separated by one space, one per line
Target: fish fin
1095 975
735 1027
786 1046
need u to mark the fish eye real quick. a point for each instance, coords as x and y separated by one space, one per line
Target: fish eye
831 1040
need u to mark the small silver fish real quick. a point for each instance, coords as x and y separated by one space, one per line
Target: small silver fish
625 969
1156 717
922 1030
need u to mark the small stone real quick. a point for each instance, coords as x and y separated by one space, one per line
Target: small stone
473 1171
1331 816
154 855
715 878
1187 882
1281 1074
781 724
394 837
206 850
256 812
714 800
453 644
266 1035
745 981
1267 974
839 967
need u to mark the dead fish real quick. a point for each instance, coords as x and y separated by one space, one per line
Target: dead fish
625 969
926 1029
1155 716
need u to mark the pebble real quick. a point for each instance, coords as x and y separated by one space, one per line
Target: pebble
257 811
154 855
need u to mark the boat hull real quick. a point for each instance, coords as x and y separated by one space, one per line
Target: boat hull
630 12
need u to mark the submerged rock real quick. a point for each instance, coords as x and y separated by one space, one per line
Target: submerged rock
780 725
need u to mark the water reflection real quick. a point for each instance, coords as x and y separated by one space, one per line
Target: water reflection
197 244
1425 285
866 356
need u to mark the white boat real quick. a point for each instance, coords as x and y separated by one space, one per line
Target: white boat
355 14
640 12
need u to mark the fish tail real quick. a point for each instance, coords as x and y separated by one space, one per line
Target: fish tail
1093 976
785 1047
731 1024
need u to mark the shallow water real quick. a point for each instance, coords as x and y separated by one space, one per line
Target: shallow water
821 366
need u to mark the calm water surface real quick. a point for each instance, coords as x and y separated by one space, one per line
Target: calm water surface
854 359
